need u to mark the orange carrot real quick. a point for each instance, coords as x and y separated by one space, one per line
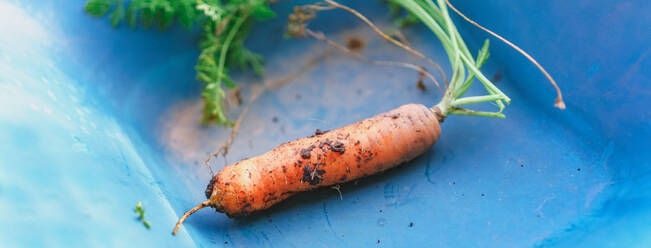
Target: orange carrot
326 158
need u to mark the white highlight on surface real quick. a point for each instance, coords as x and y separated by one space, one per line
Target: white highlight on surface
34 107
49 93
16 26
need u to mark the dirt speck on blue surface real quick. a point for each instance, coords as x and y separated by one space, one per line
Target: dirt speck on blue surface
497 77
411 224
421 85
355 43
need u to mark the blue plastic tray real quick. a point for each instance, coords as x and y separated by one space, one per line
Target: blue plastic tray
94 119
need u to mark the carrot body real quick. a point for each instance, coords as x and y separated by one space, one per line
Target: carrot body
326 158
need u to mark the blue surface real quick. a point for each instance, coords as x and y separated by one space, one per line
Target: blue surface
95 119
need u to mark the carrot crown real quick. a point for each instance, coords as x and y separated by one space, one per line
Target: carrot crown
465 67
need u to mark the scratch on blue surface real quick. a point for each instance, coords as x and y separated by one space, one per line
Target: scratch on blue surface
542 204
281 233
608 151
633 68
444 159
594 191
267 239
427 174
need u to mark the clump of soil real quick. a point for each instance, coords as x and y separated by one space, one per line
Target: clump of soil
355 43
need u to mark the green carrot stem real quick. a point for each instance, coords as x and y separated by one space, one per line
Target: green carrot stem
462 111
475 99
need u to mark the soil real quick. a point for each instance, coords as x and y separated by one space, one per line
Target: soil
497 77
355 43
319 132
338 147
305 153
421 85
211 184
312 176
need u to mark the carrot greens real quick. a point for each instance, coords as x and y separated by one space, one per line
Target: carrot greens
140 211
224 26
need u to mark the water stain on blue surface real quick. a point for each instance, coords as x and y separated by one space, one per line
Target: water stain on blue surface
395 196
430 170
381 221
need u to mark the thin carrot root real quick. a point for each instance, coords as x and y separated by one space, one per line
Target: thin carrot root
188 213
421 70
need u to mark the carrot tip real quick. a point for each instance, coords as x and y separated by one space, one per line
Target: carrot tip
559 103
188 213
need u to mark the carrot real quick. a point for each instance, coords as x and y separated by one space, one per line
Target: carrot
326 158
366 147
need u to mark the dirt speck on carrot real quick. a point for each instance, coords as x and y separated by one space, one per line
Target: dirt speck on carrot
319 132
305 152
312 176
338 147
